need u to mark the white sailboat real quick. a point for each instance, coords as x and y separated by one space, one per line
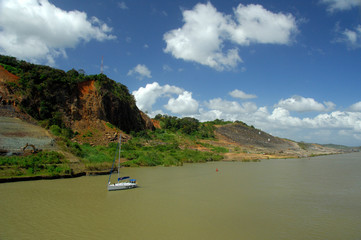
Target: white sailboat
123 182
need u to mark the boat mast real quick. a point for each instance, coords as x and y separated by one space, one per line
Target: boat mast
120 144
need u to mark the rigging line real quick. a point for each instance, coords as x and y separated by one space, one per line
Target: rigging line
113 164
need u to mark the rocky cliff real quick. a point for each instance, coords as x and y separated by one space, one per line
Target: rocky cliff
69 99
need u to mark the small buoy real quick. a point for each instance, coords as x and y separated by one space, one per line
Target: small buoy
216 169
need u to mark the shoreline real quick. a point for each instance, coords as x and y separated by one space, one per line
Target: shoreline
44 177
106 172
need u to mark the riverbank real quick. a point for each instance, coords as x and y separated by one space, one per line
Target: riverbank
229 157
48 177
66 158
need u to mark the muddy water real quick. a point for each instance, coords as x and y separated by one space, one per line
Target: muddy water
317 198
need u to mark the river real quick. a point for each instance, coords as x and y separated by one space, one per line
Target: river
316 198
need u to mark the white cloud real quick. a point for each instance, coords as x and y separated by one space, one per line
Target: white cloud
256 24
241 95
122 5
334 5
282 117
147 96
356 107
337 119
200 38
41 31
302 104
184 104
224 106
352 37
230 107
205 31
140 72
341 127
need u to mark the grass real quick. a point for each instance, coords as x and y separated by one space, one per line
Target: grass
149 149
40 164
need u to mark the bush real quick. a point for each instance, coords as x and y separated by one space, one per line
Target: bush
56 130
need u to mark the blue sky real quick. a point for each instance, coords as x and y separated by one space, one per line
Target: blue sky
290 68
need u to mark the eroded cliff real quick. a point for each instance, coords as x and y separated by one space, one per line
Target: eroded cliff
69 99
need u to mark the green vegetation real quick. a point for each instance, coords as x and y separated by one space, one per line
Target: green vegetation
166 147
151 148
187 125
47 92
43 163
303 145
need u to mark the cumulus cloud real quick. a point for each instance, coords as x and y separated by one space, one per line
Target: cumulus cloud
282 117
140 72
147 96
256 24
340 5
337 119
205 31
230 106
343 127
184 104
302 104
200 39
41 31
356 107
241 95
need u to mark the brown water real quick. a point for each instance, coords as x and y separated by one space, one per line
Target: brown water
317 198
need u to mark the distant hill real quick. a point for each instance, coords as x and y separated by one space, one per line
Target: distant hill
248 135
342 147
260 141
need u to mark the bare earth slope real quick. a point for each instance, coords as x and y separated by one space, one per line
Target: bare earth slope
248 143
15 134
246 135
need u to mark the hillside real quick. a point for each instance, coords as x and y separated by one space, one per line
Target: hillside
263 145
68 99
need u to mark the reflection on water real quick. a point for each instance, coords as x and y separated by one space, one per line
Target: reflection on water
317 198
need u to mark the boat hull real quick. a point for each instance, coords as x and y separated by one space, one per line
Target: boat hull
121 186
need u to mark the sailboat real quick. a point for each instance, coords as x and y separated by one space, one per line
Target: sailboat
123 182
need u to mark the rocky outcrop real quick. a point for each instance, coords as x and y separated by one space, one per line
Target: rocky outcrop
148 121
93 101
92 104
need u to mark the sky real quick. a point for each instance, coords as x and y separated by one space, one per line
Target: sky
288 67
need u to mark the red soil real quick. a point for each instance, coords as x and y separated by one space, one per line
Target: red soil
6 76
86 87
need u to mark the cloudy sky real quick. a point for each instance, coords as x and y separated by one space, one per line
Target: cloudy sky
291 68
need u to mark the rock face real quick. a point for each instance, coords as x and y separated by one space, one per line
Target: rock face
88 103
91 104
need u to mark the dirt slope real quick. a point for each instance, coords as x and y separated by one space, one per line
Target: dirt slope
15 134
248 143
250 136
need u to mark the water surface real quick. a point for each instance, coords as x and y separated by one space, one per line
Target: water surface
317 198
